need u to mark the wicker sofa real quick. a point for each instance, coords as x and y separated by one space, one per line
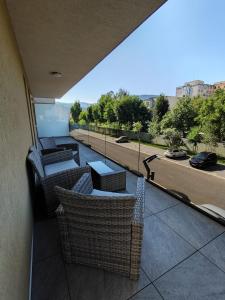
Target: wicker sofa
48 145
101 229
58 168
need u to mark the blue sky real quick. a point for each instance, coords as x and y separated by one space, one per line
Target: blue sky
184 40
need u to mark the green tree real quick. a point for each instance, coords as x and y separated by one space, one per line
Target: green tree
209 136
173 138
96 113
181 117
90 117
75 111
121 93
161 107
109 113
154 128
83 117
130 109
195 137
105 101
211 115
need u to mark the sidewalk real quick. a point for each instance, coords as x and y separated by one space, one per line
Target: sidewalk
150 150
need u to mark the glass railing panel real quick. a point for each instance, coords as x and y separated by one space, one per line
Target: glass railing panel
196 186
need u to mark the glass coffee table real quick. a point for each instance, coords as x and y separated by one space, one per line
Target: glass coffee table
105 178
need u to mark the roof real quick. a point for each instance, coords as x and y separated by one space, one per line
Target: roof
71 37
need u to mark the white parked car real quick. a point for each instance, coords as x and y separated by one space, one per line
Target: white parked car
175 153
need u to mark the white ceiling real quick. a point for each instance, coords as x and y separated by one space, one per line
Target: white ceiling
71 36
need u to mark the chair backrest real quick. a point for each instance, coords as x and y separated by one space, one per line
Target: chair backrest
113 213
35 160
48 143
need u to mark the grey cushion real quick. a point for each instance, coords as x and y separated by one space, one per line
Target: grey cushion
108 194
84 184
60 166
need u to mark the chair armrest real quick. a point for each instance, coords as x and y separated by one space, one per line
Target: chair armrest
138 217
52 150
137 227
57 157
64 234
65 179
113 181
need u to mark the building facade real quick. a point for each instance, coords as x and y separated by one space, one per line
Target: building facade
219 85
149 100
195 88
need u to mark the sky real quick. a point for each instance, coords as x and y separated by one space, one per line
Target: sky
182 41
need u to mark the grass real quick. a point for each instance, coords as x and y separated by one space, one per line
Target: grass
159 146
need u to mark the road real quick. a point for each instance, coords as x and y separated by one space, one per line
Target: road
196 186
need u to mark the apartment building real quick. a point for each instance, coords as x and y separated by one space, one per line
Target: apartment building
150 100
219 85
195 88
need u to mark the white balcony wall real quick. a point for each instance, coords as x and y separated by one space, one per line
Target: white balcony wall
52 119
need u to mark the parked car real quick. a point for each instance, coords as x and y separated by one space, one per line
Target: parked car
203 159
122 139
175 153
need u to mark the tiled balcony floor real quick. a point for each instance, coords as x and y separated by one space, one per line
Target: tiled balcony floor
183 256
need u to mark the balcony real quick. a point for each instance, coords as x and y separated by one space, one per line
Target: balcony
182 255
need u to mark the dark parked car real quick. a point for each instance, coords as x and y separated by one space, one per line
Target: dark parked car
122 139
203 159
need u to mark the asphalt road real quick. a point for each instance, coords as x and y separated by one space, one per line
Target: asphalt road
193 185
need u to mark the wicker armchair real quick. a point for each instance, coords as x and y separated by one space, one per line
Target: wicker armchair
104 231
48 145
66 177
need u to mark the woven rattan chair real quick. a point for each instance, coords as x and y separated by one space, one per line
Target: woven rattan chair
48 145
101 229
53 169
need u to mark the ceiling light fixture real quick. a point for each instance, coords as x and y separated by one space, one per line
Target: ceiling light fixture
56 74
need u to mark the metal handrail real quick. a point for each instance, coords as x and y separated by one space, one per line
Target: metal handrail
146 161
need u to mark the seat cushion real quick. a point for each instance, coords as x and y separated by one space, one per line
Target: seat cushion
109 194
60 166
84 184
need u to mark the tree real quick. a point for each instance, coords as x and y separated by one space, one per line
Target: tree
161 107
105 100
195 137
154 128
137 126
109 113
121 93
173 138
209 136
130 109
181 117
96 113
211 115
90 117
83 117
75 111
